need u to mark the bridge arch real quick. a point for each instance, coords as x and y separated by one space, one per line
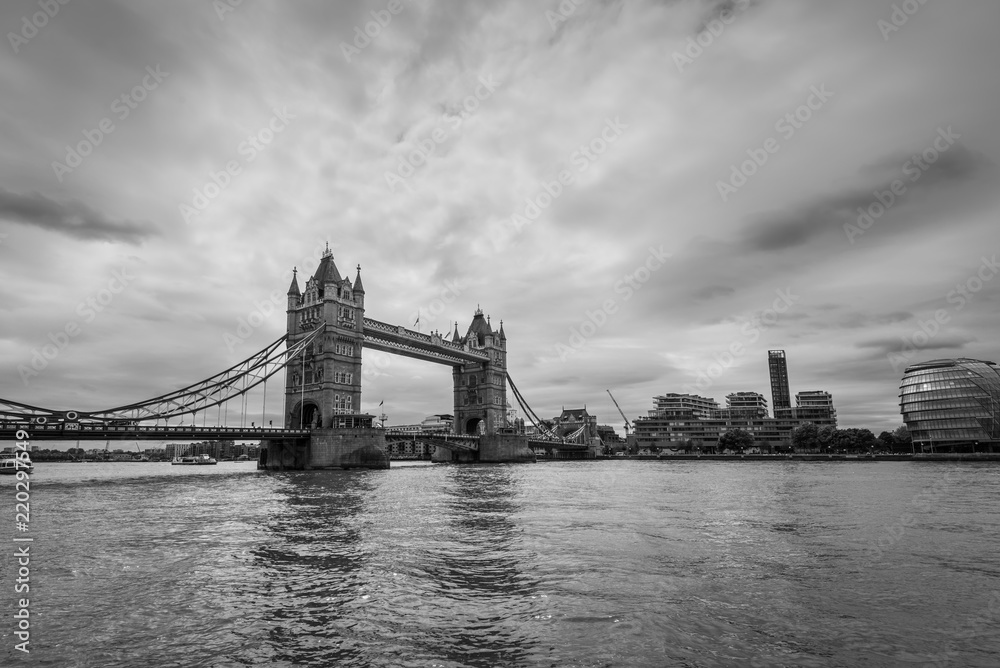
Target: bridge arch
305 416
474 426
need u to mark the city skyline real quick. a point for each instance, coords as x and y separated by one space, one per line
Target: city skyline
642 192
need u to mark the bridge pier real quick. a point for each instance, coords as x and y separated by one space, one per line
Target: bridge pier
331 448
505 448
445 456
493 448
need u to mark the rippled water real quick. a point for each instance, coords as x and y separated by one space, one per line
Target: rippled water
611 563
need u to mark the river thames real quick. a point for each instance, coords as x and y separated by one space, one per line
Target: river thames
607 563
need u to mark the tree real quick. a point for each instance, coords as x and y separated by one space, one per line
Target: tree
843 439
902 435
736 440
825 437
805 436
864 439
887 440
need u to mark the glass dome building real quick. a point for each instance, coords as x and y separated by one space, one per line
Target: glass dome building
952 405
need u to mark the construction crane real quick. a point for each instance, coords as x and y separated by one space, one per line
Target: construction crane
627 424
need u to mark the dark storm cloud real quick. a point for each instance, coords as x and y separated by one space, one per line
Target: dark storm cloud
885 346
799 226
711 291
862 320
72 219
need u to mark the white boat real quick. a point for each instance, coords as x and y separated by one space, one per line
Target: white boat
10 466
194 460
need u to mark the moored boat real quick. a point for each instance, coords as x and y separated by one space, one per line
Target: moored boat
194 460
10 466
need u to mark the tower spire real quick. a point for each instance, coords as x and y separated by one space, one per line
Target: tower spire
358 285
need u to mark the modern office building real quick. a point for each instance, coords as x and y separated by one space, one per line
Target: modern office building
952 405
682 429
700 406
814 406
696 423
746 404
781 396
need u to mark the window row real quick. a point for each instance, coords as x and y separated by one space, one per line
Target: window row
951 414
945 404
929 395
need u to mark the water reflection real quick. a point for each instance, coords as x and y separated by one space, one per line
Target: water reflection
482 570
307 569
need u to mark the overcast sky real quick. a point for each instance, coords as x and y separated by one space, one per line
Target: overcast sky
589 157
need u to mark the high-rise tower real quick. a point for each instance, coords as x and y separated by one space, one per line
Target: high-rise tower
781 396
323 386
481 387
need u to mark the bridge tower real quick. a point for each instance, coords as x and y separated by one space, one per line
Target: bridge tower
481 387
323 388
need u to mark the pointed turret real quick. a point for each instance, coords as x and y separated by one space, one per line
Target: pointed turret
456 337
327 271
503 337
293 289
358 286
478 330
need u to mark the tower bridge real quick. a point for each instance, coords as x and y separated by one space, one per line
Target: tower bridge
320 355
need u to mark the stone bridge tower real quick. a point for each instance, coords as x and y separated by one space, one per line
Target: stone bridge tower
481 387
323 387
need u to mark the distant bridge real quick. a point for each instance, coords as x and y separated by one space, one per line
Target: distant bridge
77 431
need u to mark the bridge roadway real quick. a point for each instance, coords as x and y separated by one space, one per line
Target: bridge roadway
72 431
471 443
444 439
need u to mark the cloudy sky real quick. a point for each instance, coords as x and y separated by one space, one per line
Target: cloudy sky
688 177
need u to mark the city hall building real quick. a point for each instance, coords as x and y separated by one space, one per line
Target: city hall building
952 405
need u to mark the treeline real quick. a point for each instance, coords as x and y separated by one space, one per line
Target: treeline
807 437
